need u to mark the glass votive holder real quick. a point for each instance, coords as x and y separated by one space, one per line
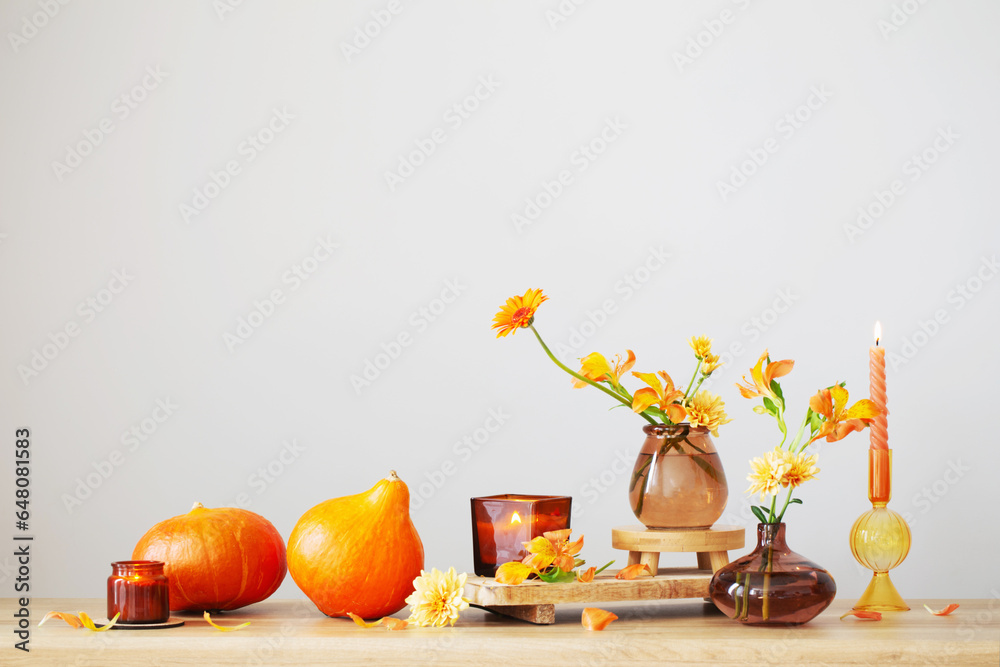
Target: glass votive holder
138 589
502 524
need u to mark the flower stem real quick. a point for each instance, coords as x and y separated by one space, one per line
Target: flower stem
788 499
692 381
581 378
798 436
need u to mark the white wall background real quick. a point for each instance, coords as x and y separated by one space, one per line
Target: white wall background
889 92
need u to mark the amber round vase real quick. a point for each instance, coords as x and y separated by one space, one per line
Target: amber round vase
772 585
677 481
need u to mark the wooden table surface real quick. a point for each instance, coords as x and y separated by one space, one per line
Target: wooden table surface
682 632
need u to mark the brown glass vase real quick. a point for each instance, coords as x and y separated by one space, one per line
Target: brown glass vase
677 481
772 585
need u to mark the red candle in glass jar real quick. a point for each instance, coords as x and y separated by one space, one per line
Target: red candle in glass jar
502 524
138 590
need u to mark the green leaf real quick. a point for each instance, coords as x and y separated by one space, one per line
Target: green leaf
758 513
771 408
795 501
776 388
557 576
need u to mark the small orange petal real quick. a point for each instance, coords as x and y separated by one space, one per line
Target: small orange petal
676 413
587 576
633 571
394 623
643 398
558 535
597 619
224 628
512 573
360 621
70 619
943 612
864 615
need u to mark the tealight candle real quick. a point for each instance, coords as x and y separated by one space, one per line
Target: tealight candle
502 524
138 589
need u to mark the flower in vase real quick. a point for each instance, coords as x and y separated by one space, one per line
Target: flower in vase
707 409
518 312
830 404
762 377
595 367
801 468
437 598
702 346
662 394
767 473
709 363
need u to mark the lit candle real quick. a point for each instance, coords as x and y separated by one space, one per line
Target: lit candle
502 524
879 436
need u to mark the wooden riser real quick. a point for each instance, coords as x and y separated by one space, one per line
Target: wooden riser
534 601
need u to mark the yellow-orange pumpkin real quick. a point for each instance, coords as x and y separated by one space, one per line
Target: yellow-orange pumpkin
222 558
358 554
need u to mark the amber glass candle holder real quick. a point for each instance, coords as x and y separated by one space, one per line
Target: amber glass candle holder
502 524
880 538
138 590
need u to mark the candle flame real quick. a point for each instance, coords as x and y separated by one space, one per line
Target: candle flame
516 518
878 331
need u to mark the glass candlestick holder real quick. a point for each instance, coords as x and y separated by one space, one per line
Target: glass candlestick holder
880 538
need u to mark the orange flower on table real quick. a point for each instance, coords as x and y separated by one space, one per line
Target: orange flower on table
838 421
661 394
706 409
767 473
518 312
761 377
553 548
595 367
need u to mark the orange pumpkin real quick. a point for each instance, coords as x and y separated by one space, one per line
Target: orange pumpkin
358 554
216 559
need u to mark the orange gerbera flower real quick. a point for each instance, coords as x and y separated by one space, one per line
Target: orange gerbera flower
762 377
595 367
838 422
518 312
660 394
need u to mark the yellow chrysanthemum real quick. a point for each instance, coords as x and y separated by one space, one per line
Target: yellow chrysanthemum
801 468
518 312
437 598
706 409
702 346
767 473
710 363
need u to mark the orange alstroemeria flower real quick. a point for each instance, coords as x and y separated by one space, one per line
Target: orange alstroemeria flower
518 312
838 422
762 377
595 367
553 548
660 394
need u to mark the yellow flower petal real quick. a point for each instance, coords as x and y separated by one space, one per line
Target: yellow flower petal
89 624
208 619
512 573
395 623
360 621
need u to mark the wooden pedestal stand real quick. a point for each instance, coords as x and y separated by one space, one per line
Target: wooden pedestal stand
534 601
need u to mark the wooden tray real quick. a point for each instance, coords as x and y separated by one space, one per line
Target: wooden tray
534 601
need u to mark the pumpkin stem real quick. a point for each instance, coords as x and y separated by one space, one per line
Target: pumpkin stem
197 506
393 477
